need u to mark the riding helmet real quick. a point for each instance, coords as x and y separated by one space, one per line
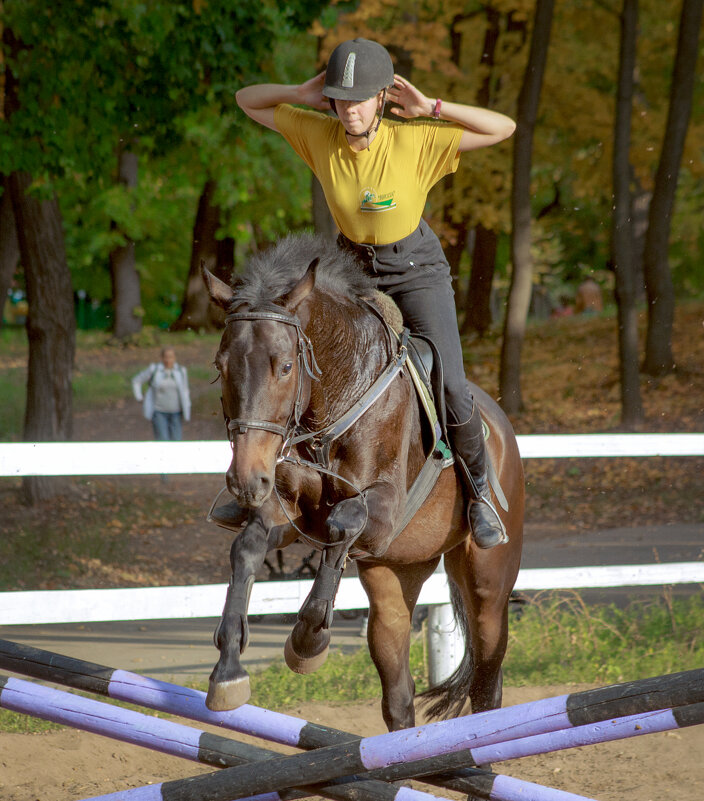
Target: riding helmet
358 69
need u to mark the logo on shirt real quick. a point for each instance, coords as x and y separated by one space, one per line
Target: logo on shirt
370 201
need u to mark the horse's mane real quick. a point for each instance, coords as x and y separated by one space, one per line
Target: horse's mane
272 273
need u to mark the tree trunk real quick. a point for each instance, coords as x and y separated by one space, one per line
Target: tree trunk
9 246
521 277
197 312
658 279
454 251
126 294
477 301
323 222
622 233
478 306
51 326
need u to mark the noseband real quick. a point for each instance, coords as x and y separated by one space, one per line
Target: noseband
306 362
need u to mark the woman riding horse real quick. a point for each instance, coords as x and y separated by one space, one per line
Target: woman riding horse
376 175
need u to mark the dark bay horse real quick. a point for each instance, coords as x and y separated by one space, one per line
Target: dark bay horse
302 344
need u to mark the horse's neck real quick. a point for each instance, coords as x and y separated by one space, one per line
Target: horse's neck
351 349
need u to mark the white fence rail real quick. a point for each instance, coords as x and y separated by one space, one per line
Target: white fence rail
286 597
143 458
140 458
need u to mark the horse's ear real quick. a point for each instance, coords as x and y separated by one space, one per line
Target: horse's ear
303 288
220 293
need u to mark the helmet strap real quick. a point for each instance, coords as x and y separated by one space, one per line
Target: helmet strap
374 127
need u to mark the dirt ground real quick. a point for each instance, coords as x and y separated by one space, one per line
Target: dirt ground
68 765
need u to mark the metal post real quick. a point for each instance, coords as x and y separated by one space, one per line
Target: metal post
445 643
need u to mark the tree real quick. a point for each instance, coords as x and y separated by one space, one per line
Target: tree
123 269
197 312
658 279
622 233
521 279
51 323
477 301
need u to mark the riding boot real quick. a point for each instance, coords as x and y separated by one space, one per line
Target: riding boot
468 446
230 516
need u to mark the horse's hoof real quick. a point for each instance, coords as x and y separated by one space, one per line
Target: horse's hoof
224 695
303 664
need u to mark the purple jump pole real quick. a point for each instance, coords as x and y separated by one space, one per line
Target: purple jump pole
604 732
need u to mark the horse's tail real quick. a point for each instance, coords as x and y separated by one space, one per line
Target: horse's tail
447 699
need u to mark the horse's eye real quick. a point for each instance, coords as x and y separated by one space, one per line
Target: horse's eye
286 369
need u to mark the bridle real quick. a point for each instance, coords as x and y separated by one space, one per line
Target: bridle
317 442
306 363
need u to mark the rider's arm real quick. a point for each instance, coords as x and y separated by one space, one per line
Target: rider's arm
482 126
259 101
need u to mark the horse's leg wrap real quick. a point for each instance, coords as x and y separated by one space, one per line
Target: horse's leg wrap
307 646
236 605
327 581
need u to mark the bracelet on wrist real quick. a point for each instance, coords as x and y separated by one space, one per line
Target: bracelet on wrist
436 110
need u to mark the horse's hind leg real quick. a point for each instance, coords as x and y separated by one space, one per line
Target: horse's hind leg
485 584
393 592
229 681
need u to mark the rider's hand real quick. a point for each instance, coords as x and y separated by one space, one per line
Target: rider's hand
311 93
411 101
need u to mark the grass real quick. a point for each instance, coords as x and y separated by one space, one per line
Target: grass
17 723
560 640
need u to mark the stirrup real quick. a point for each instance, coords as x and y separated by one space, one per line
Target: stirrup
493 534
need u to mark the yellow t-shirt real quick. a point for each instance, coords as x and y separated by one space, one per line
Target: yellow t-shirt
375 196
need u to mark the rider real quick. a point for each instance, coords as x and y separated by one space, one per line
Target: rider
376 175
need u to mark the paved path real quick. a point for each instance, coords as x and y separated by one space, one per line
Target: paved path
183 649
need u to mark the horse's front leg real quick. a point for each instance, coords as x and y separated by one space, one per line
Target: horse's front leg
307 645
229 681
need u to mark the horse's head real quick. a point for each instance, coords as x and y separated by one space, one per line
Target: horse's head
265 363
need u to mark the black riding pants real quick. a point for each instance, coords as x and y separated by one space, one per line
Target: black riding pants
415 273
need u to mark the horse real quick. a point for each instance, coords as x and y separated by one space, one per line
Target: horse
303 342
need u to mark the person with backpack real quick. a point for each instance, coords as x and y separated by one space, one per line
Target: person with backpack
167 400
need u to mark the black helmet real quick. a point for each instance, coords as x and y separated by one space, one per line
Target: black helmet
358 69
